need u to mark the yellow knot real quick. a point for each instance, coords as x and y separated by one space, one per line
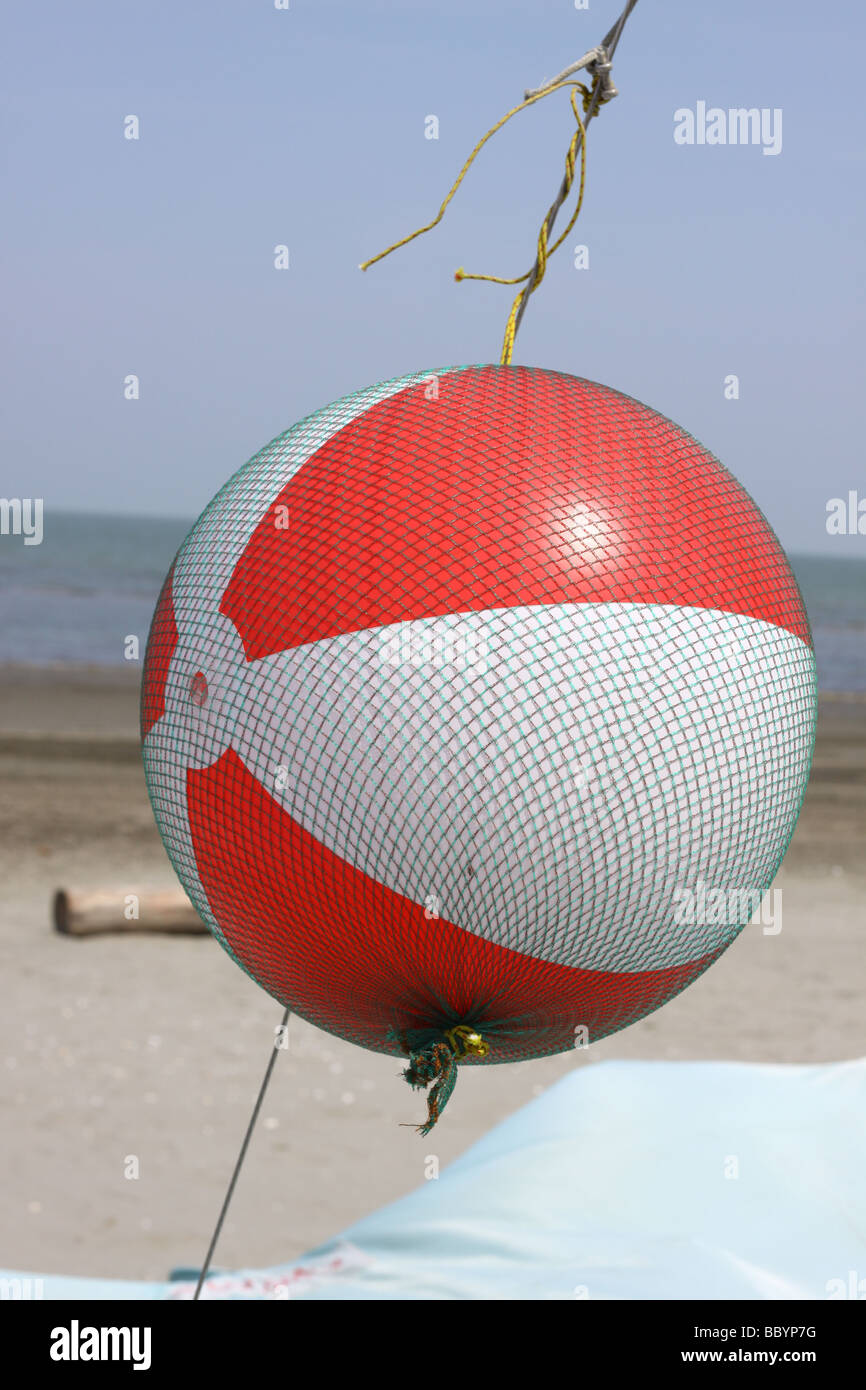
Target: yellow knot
587 93
460 273
464 1041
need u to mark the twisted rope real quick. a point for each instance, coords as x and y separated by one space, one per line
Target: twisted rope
597 63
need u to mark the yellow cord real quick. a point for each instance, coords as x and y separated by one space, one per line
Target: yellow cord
544 252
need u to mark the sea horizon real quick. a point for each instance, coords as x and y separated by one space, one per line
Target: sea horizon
74 602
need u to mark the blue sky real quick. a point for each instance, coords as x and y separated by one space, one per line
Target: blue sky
306 127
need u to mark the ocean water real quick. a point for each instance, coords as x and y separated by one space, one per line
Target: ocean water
95 579
835 594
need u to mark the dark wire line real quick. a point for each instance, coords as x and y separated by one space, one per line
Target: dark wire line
239 1164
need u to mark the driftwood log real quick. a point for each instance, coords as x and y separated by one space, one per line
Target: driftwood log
88 914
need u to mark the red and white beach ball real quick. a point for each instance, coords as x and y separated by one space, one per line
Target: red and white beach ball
458 691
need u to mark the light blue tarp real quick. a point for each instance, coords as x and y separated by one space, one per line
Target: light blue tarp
624 1180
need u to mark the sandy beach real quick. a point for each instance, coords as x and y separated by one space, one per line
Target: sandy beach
154 1046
